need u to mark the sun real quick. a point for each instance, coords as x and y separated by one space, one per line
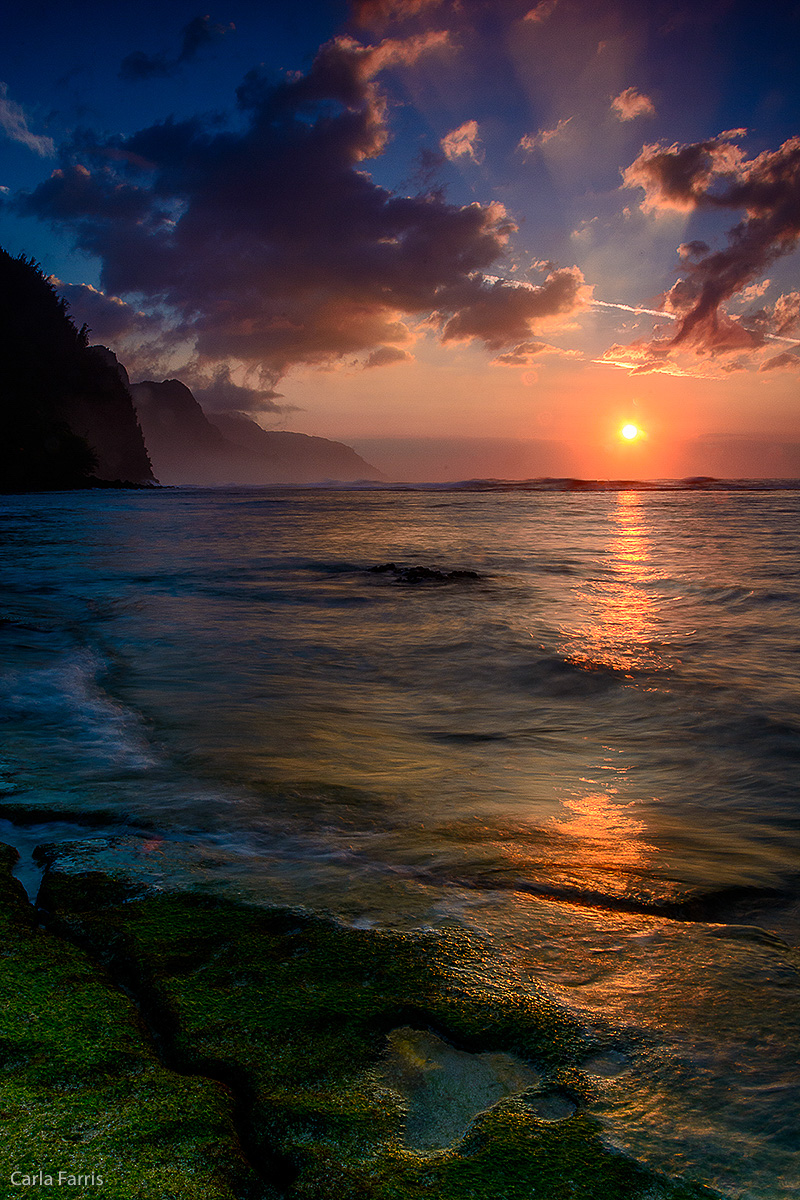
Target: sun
629 432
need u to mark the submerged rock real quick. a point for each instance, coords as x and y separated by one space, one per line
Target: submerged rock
445 1088
412 575
329 1038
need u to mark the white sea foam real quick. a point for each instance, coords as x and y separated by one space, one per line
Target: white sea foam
80 716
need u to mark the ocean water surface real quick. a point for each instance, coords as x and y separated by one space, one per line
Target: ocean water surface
567 722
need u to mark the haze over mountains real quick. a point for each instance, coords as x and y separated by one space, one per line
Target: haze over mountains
70 418
188 446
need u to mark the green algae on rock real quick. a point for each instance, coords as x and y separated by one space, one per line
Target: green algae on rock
82 1090
302 1017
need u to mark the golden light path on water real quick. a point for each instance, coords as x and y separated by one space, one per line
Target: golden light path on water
656 981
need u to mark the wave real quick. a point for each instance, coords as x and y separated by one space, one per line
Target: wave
568 484
68 702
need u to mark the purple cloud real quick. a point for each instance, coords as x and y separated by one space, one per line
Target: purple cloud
268 242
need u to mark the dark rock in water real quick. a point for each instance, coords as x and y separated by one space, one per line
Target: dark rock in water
66 417
412 575
339 1045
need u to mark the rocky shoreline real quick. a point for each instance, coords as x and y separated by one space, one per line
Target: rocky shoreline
163 1044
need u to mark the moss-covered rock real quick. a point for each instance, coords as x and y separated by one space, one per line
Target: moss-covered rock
301 1017
82 1090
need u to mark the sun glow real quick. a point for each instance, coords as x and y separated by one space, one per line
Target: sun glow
629 432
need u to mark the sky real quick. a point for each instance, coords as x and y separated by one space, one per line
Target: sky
491 224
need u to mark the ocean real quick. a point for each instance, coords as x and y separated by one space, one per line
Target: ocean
565 721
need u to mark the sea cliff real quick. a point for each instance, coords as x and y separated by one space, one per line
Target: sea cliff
66 417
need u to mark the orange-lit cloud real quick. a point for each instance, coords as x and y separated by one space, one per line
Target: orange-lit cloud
271 246
631 104
716 174
526 354
541 11
462 143
532 141
781 319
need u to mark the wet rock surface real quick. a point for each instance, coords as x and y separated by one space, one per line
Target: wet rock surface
82 1088
256 1052
445 1089
411 575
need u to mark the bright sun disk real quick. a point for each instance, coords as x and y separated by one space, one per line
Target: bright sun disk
629 432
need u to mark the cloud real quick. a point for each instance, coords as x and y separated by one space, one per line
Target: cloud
462 143
779 320
541 11
585 231
108 317
498 312
754 292
196 35
781 361
14 124
641 358
377 14
631 308
631 104
268 242
385 356
716 175
695 249
526 353
219 393
143 341
681 177
532 141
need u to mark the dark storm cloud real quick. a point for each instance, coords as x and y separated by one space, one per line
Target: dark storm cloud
197 34
716 175
269 243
